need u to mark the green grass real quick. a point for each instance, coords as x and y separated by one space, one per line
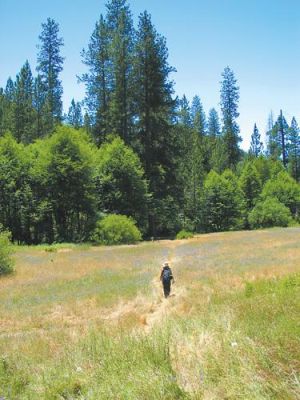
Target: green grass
72 322
246 344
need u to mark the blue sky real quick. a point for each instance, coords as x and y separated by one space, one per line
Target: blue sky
258 39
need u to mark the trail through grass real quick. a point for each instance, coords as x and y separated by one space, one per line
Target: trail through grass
91 323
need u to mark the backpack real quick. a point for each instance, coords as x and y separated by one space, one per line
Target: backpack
166 275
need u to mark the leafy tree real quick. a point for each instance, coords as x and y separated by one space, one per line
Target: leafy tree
214 128
74 117
116 229
238 210
120 182
269 213
285 189
250 185
220 207
13 183
50 64
6 262
98 80
70 186
293 148
229 106
256 146
198 116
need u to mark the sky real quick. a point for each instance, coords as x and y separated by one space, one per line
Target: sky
258 39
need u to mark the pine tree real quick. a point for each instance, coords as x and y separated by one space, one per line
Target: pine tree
74 117
39 100
154 109
277 140
270 125
229 106
184 112
8 105
98 81
121 33
213 123
294 149
256 147
24 115
198 116
283 127
87 123
50 64
2 112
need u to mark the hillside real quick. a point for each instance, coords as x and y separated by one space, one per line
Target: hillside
80 322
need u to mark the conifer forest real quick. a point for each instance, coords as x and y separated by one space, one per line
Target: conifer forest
132 147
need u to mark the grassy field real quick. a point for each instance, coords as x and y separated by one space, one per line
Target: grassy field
79 322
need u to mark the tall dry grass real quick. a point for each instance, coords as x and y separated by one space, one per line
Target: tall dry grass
91 323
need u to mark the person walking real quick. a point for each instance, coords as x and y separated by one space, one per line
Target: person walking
166 276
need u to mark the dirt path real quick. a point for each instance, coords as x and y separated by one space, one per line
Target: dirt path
153 308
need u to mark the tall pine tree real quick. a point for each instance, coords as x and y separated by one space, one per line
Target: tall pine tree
74 116
184 112
50 64
98 81
154 110
214 128
198 116
24 115
229 106
121 33
256 146
294 149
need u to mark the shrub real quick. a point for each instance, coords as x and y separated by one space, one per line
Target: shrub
116 229
285 189
183 234
269 213
6 263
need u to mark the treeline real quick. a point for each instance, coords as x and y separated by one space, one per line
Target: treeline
135 150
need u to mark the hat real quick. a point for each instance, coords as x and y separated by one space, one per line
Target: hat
166 264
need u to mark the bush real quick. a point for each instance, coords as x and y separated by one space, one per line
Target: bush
116 229
6 263
269 213
183 234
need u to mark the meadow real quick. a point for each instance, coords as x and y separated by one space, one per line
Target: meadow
80 322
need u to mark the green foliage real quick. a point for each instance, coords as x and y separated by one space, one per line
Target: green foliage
183 234
256 146
50 64
229 106
220 203
285 189
69 172
120 182
250 185
116 229
269 213
6 263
